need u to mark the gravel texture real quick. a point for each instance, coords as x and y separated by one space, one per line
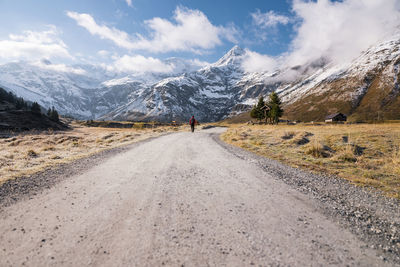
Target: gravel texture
374 218
14 190
182 199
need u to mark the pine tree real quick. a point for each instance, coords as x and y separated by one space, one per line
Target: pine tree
48 113
7 96
11 98
254 112
35 108
20 103
276 110
257 112
54 115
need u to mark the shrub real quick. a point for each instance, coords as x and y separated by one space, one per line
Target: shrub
315 149
288 135
49 148
138 125
347 156
31 153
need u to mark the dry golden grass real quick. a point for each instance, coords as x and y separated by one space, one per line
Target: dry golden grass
28 153
365 154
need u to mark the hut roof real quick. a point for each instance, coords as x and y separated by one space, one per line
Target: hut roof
331 116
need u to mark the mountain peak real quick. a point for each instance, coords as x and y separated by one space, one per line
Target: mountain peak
236 51
232 56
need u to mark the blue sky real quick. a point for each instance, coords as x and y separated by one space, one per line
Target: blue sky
143 32
31 15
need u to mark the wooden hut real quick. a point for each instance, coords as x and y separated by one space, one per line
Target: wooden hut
337 117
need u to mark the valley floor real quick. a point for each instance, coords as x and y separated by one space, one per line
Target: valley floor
27 153
365 154
188 199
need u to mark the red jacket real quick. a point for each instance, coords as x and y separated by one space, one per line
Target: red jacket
190 121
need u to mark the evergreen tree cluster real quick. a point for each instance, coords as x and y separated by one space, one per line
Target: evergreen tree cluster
21 104
258 110
270 110
35 108
9 97
53 114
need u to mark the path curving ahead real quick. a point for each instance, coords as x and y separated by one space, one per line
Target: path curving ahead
181 199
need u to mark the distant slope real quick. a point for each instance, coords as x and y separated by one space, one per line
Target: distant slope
239 118
365 89
15 116
209 93
81 91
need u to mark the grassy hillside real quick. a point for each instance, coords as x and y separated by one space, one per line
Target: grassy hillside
16 114
372 96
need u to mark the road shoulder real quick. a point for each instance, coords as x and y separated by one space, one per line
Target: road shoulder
25 187
372 217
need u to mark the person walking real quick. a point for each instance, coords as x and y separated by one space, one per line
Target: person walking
192 122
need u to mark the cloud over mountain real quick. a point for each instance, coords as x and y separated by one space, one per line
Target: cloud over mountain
269 19
337 31
140 64
120 38
34 45
190 31
340 30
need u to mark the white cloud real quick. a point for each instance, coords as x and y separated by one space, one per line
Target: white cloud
141 64
33 45
255 62
58 67
103 53
268 19
191 31
129 2
340 30
334 31
198 63
120 38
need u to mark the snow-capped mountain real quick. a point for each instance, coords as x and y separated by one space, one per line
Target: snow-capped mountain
366 88
367 85
82 91
68 91
209 93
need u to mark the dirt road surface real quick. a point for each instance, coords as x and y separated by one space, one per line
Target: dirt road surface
178 200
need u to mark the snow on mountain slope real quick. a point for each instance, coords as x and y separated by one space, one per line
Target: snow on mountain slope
209 93
374 57
366 87
82 91
367 84
46 86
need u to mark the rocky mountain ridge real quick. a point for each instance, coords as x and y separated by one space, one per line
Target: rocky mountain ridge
367 85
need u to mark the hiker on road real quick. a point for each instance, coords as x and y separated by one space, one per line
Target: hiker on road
192 122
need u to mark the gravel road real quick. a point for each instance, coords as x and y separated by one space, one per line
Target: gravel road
179 200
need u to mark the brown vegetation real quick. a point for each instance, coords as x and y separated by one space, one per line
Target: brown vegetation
33 151
379 98
365 154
